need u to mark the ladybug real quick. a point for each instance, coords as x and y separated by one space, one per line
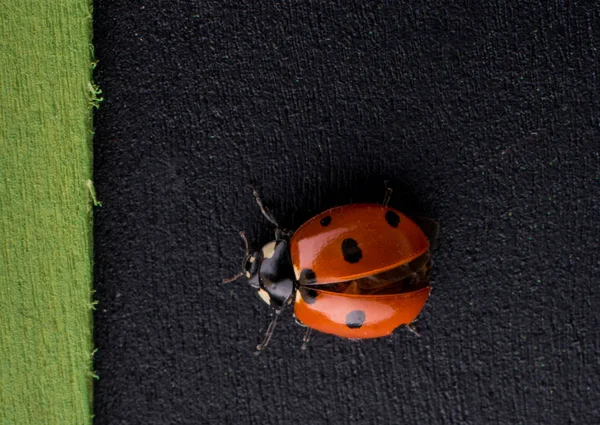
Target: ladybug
356 271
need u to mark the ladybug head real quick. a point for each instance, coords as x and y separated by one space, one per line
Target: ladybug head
274 276
270 272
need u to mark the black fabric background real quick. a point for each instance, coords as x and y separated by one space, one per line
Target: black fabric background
483 115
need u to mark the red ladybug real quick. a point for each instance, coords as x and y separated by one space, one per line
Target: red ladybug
355 271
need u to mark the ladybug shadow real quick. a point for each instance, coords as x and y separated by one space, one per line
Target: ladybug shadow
365 189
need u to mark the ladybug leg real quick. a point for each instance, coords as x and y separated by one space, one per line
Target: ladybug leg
412 327
268 335
387 196
299 323
265 211
283 234
306 338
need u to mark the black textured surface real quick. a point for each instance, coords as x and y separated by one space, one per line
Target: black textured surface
485 117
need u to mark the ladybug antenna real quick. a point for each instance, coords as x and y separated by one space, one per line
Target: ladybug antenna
233 278
268 335
243 235
246 253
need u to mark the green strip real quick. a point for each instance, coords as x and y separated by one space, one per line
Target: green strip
46 96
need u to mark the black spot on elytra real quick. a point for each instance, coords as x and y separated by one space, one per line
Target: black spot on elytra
392 218
309 295
352 253
355 319
325 221
307 277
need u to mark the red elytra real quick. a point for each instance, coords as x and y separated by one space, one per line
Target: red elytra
360 316
379 238
356 271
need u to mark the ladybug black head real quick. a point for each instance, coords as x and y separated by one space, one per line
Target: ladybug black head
270 272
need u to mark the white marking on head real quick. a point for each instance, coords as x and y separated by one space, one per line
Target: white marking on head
264 295
269 249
